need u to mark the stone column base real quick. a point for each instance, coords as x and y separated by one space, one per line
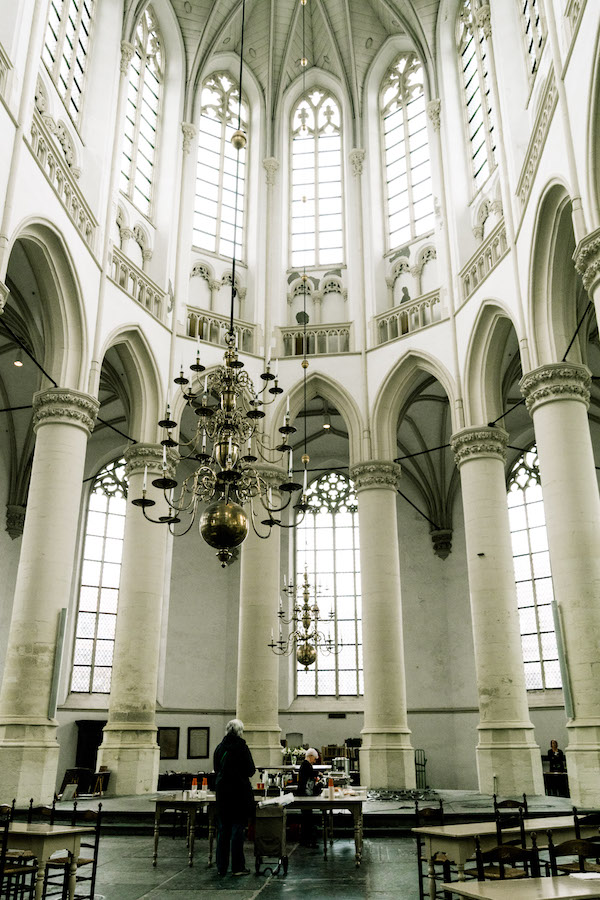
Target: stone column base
264 745
583 761
28 762
387 760
132 756
509 762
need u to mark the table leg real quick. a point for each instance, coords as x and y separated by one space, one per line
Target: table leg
431 873
460 867
39 878
358 822
192 834
211 833
156 834
325 835
72 875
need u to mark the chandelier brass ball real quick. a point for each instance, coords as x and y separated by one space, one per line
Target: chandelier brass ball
238 140
224 525
306 654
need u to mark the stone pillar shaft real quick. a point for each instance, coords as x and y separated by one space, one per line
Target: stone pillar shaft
386 756
129 748
63 420
557 397
508 759
258 667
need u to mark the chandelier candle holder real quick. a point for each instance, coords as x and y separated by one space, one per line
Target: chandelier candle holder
305 635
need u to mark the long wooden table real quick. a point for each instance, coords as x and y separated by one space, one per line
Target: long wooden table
556 888
191 805
44 840
458 841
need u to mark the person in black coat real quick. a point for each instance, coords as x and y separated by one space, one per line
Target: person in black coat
309 784
233 765
556 758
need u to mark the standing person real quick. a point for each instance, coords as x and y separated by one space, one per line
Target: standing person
556 758
233 765
309 785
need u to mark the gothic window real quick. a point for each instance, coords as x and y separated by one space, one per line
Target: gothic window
532 573
141 114
472 49
221 170
406 149
100 576
66 47
534 32
316 202
327 545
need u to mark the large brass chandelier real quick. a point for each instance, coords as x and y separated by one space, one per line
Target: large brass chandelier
305 636
228 439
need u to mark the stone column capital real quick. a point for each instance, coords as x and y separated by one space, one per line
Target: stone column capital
146 254
127 51
433 109
483 17
556 381
484 442
189 132
4 292
271 165
64 406
378 473
357 158
140 456
587 259
214 284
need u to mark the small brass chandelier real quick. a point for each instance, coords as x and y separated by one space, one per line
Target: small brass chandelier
305 635
227 440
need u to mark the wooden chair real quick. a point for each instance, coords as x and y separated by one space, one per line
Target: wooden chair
431 815
591 820
511 804
583 850
506 861
17 874
505 822
17 855
57 882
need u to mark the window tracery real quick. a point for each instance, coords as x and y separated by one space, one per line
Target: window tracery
99 586
406 151
316 202
327 544
473 53
217 170
66 46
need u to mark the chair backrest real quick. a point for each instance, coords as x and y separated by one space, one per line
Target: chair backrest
4 825
582 849
47 812
505 822
429 815
591 820
511 804
508 855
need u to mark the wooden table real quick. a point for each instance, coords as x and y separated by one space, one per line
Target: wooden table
561 887
44 840
326 806
458 841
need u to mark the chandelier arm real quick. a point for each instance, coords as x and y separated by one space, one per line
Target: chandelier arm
181 533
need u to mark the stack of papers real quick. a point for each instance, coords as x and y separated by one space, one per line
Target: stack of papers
585 876
282 800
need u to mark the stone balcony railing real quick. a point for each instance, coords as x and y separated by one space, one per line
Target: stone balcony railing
319 341
212 327
136 283
56 170
489 254
408 317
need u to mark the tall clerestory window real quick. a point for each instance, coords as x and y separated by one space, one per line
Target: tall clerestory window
327 545
66 46
141 114
532 573
406 148
221 170
317 237
533 31
100 577
473 54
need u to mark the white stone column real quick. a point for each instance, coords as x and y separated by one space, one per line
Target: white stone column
387 758
258 667
587 263
557 397
129 748
62 420
508 758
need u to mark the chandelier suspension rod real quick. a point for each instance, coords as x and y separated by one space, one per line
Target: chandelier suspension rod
237 172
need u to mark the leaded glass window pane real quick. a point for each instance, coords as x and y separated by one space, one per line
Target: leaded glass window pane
327 548
100 576
532 573
534 32
472 50
66 48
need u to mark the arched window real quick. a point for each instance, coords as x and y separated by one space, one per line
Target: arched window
316 203
66 48
534 32
100 577
532 573
472 48
406 148
218 172
141 115
327 545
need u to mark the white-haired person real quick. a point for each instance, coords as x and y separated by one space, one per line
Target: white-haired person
309 785
234 766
